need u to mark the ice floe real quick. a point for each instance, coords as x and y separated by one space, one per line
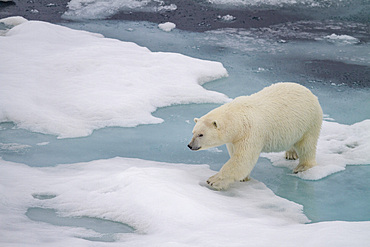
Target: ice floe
167 26
13 20
341 39
67 82
166 205
339 145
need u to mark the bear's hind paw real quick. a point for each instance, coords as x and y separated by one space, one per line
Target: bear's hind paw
303 167
291 155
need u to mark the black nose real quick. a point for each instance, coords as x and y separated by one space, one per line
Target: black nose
190 146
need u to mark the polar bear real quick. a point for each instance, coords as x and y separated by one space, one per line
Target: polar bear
281 117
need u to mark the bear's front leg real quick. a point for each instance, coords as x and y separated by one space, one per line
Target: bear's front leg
236 169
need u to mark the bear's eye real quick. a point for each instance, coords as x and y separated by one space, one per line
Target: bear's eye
200 135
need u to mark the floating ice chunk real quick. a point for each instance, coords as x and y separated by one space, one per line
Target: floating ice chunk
260 70
341 39
167 26
66 82
171 7
227 18
13 21
339 145
165 203
34 11
42 143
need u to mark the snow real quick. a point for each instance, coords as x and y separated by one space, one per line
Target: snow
68 83
167 26
339 145
13 20
167 205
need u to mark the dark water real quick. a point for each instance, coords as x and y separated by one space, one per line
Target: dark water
201 15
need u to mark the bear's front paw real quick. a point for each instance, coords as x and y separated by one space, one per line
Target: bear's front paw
219 182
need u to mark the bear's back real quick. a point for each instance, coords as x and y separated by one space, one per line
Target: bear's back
283 96
287 108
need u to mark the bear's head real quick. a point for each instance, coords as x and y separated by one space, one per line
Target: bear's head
206 134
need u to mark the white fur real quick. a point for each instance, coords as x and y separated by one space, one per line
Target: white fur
283 116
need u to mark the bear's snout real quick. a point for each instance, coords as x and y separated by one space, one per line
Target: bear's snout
192 147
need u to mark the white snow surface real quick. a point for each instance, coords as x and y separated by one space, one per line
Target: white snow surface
167 204
339 145
13 20
65 82
167 26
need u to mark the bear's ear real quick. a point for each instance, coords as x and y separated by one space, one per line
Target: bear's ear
196 120
215 124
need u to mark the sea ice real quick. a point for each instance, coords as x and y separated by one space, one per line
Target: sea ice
67 82
339 145
13 20
168 205
226 18
167 26
341 39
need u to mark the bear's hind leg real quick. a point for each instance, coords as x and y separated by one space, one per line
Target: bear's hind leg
291 154
304 166
306 150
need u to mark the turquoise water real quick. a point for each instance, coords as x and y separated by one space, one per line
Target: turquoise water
106 228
